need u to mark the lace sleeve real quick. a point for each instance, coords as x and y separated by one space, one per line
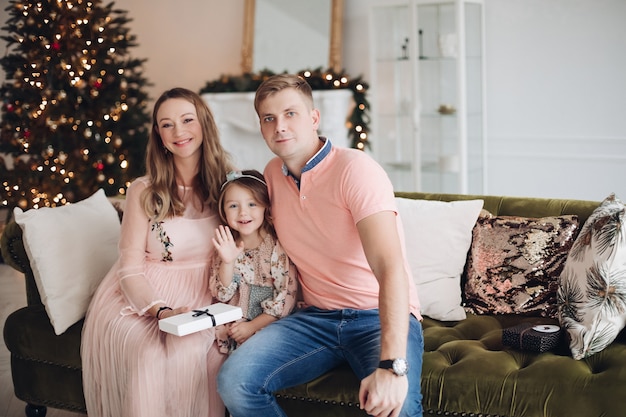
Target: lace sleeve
218 290
135 224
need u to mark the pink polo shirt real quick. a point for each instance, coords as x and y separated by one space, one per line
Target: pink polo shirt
317 226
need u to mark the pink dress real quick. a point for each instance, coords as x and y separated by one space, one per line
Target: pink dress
130 367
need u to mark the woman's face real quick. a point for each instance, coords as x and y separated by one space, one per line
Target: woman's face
179 128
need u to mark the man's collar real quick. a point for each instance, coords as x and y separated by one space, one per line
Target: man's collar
315 159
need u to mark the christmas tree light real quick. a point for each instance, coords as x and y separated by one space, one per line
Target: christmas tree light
358 121
74 115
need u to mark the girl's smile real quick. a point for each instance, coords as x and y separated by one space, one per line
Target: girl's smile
244 214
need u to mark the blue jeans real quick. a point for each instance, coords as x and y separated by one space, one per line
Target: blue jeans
298 348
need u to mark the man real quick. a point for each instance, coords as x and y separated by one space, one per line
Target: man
334 213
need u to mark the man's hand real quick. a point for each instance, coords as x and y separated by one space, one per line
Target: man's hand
382 393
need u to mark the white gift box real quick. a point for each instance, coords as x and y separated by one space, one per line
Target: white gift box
200 319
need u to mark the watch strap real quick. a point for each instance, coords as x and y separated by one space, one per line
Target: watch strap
386 364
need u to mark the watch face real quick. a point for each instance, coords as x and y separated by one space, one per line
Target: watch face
400 366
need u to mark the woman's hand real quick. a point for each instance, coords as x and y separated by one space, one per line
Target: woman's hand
226 246
173 312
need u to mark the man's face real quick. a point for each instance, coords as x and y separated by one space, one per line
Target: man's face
289 124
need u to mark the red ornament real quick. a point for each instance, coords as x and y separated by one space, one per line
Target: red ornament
97 84
10 107
56 46
100 166
26 133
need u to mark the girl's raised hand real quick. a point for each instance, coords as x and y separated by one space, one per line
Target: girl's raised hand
225 244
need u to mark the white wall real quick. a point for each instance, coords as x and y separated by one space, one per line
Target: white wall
556 94
556 89
187 42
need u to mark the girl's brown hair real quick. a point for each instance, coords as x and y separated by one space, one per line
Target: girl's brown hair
258 188
161 199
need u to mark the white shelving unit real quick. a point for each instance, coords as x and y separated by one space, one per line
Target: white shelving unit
427 94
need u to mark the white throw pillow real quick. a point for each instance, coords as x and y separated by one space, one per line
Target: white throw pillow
70 248
438 236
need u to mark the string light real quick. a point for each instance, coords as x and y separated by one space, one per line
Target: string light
319 79
51 119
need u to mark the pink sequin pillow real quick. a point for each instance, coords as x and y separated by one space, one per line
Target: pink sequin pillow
515 262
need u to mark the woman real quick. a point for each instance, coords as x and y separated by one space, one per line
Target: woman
130 367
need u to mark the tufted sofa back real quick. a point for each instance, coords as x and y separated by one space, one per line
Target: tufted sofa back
517 206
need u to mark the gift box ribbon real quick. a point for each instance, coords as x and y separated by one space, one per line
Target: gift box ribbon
198 313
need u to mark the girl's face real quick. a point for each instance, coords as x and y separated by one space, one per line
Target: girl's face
243 212
179 127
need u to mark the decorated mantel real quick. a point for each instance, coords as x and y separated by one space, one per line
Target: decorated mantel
341 102
340 99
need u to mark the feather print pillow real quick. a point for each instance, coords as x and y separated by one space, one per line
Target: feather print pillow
592 292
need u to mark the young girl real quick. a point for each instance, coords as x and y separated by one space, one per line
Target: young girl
251 269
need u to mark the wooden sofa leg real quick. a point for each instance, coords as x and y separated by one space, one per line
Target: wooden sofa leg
35 410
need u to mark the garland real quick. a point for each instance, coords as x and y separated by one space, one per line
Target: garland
358 120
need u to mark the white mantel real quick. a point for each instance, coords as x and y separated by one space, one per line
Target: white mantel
239 129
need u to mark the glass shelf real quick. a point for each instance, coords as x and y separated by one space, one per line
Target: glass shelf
427 58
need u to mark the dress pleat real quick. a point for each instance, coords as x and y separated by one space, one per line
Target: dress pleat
133 369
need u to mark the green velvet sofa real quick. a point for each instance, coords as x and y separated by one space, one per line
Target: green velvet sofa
466 372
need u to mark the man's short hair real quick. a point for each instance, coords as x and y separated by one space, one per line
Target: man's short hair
280 82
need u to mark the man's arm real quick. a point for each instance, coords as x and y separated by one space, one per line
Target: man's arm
383 393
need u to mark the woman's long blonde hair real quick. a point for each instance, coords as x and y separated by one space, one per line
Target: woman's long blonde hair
161 199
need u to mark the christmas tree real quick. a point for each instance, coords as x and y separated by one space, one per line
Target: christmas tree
74 112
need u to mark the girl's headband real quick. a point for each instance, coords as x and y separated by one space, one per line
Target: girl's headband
234 175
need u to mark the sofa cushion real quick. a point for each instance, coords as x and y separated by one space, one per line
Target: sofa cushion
46 368
592 293
70 249
467 371
438 235
515 263
37 340
337 388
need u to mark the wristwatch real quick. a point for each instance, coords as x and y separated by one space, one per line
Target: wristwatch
398 366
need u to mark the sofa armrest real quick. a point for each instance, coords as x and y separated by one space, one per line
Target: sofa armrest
14 255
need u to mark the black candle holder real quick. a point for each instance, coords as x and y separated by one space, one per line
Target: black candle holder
405 49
